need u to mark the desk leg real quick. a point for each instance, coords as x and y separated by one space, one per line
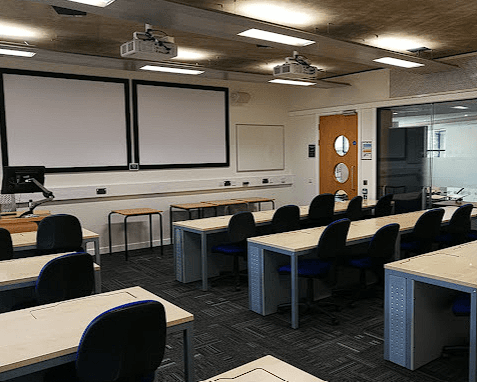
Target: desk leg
397 247
170 225
109 233
188 355
97 281
162 234
126 237
473 337
150 231
203 254
96 251
294 292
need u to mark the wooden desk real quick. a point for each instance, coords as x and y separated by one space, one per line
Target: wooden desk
455 203
23 273
267 253
259 200
38 338
193 240
136 212
265 369
189 207
418 320
13 223
27 241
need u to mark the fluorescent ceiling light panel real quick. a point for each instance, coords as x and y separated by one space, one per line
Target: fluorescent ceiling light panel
275 37
171 70
288 15
21 53
290 82
459 107
398 62
17 31
191 54
96 3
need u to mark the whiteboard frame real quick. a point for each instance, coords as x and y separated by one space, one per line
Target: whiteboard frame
241 153
127 116
136 127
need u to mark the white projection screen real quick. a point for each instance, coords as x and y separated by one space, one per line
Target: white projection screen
65 122
179 125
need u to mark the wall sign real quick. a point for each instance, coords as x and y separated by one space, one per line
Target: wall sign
367 150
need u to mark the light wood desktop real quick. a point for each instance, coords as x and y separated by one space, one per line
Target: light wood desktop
23 273
194 238
418 320
13 223
265 369
48 335
27 241
267 253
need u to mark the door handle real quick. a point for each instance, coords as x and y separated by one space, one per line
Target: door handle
352 179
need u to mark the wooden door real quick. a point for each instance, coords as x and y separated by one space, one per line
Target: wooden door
332 127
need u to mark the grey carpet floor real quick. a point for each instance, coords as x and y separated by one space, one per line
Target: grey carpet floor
227 334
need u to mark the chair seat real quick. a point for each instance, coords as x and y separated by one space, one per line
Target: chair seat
362 263
411 245
309 267
461 305
444 238
229 249
472 235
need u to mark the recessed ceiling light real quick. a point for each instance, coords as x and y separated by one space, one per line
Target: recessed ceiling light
291 82
96 3
277 14
399 43
17 31
191 54
459 107
275 37
21 53
171 70
398 62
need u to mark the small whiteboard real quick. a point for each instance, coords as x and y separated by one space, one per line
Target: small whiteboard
260 147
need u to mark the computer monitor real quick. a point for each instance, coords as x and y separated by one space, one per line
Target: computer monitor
18 179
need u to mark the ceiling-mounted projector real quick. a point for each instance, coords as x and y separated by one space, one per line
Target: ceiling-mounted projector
147 46
296 67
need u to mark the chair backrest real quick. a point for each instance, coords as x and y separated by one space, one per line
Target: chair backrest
286 218
234 208
65 277
333 239
384 206
241 227
322 208
125 343
383 243
355 208
428 225
59 233
6 246
460 220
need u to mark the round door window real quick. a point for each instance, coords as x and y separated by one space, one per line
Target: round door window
341 145
341 172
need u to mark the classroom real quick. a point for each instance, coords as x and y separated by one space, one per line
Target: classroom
114 138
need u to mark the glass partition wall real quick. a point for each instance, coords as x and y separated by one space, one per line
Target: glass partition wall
428 152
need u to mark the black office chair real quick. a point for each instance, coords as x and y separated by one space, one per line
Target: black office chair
321 210
458 229
331 244
6 246
286 218
354 211
384 206
63 278
59 233
241 226
425 230
379 252
123 344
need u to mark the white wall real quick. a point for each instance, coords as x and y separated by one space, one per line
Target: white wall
268 105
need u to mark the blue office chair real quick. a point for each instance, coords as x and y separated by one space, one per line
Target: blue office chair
59 233
354 211
286 218
241 226
458 229
321 210
380 251
384 206
425 230
123 344
6 246
460 308
331 244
